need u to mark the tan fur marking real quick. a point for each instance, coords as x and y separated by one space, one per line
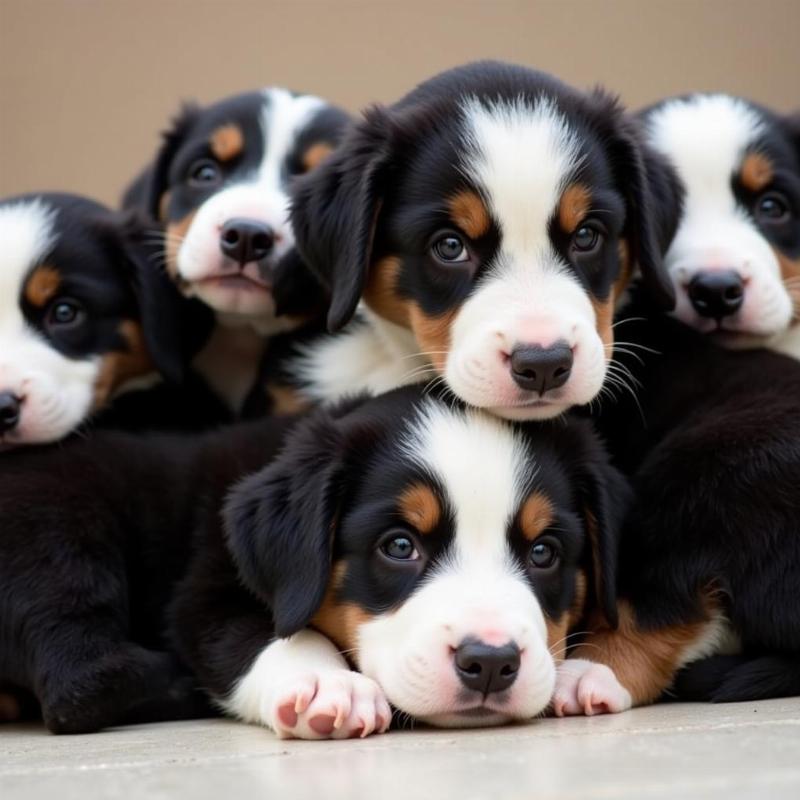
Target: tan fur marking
118 367
536 515
227 142
339 621
644 661
163 204
420 508
380 293
557 636
756 172
604 318
468 211
285 400
315 155
42 285
432 333
176 231
790 274
625 270
575 203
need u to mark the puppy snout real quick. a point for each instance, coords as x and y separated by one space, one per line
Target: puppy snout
10 411
484 668
716 294
245 240
540 369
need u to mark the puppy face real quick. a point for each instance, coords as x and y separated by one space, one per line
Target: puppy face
735 255
458 560
496 214
221 187
72 333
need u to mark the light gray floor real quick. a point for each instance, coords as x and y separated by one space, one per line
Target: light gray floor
749 750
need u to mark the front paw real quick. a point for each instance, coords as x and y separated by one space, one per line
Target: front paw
329 704
583 687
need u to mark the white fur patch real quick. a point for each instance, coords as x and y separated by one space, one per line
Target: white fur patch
56 391
718 638
706 137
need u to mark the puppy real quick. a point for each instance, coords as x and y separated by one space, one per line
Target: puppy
220 185
734 259
86 315
402 549
710 557
490 220
362 540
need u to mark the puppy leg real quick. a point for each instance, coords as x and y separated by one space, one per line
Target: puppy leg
618 668
302 688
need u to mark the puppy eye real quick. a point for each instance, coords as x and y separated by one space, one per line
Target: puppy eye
772 207
543 554
450 249
586 239
65 313
204 173
399 547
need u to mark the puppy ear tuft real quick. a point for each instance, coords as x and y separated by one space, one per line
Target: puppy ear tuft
335 212
280 521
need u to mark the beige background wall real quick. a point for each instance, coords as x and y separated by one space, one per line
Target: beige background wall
85 85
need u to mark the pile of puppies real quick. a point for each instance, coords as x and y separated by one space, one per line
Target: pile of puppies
459 412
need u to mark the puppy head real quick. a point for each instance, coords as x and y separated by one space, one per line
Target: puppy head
497 214
734 258
446 553
84 313
220 185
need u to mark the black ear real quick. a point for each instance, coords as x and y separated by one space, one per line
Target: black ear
335 211
606 496
148 188
792 123
174 327
280 521
640 180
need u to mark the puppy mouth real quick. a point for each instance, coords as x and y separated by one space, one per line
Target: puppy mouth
236 282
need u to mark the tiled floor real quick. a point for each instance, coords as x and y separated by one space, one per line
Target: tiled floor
750 750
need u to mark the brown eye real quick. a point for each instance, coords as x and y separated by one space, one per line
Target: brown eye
543 554
450 249
204 173
586 239
772 207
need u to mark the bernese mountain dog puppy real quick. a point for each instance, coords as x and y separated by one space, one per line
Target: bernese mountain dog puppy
220 186
489 220
734 259
711 554
84 317
340 579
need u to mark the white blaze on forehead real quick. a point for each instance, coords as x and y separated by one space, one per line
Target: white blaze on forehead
284 115
26 233
705 137
483 468
522 156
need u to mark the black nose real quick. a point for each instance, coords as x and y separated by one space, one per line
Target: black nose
9 411
487 669
246 240
539 369
717 294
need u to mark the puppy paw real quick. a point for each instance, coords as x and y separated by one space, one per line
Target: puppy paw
330 704
583 687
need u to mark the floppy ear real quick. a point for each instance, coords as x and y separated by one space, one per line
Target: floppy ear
606 496
640 180
335 211
792 123
280 521
174 327
148 188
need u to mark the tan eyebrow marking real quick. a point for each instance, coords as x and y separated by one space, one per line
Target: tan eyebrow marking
536 515
420 507
468 211
227 142
42 285
573 207
757 171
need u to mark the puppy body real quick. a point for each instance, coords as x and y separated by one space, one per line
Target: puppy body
360 545
489 220
86 316
220 186
710 555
